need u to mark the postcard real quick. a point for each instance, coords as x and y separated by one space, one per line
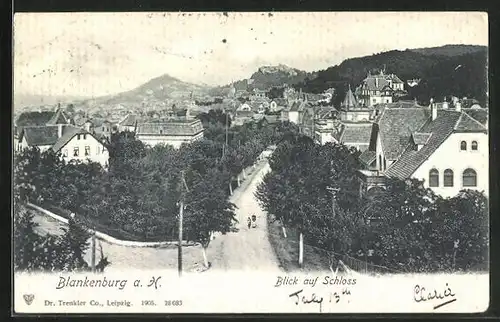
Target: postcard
250 162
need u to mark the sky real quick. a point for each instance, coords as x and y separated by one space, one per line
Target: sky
96 54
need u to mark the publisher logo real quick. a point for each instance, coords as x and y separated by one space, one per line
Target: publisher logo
28 298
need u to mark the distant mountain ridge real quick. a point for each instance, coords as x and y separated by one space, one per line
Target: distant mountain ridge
155 92
450 50
447 70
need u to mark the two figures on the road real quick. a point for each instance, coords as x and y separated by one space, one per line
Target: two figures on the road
252 221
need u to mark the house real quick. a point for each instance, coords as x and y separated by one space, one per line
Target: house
129 123
292 114
352 134
267 119
172 132
258 93
350 110
310 115
36 119
323 130
241 116
446 148
104 129
73 142
244 107
379 88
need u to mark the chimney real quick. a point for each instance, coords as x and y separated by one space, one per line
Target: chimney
59 130
433 111
88 125
445 105
458 106
376 82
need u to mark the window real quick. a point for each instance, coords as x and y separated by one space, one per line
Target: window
433 178
85 136
76 152
65 153
78 136
380 162
474 145
98 150
469 178
385 164
463 145
161 131
374 100
448 178
87 151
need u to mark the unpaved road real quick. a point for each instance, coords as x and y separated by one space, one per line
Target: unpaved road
247 249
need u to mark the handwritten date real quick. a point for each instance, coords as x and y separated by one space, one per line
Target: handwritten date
315 298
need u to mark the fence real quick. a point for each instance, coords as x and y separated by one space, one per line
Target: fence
106 237
318 258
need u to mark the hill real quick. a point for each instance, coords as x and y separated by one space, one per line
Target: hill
266 77
464 74
450 50
158 91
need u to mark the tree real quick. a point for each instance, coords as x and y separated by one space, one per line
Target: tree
73 245
461 249
207 210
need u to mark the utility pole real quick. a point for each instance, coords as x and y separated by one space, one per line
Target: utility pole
92 260
181 219
179 246
226 128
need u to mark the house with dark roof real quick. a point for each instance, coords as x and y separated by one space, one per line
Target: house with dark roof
350 110
379 88
72 142
37 120
354 134
129 123
294 111
170 132
239 117
446 148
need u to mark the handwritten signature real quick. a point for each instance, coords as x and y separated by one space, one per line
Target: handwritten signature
420 294
314 298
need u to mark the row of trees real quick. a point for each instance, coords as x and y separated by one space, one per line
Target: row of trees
137 197
314 189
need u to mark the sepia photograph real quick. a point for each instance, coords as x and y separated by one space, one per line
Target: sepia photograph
250 162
